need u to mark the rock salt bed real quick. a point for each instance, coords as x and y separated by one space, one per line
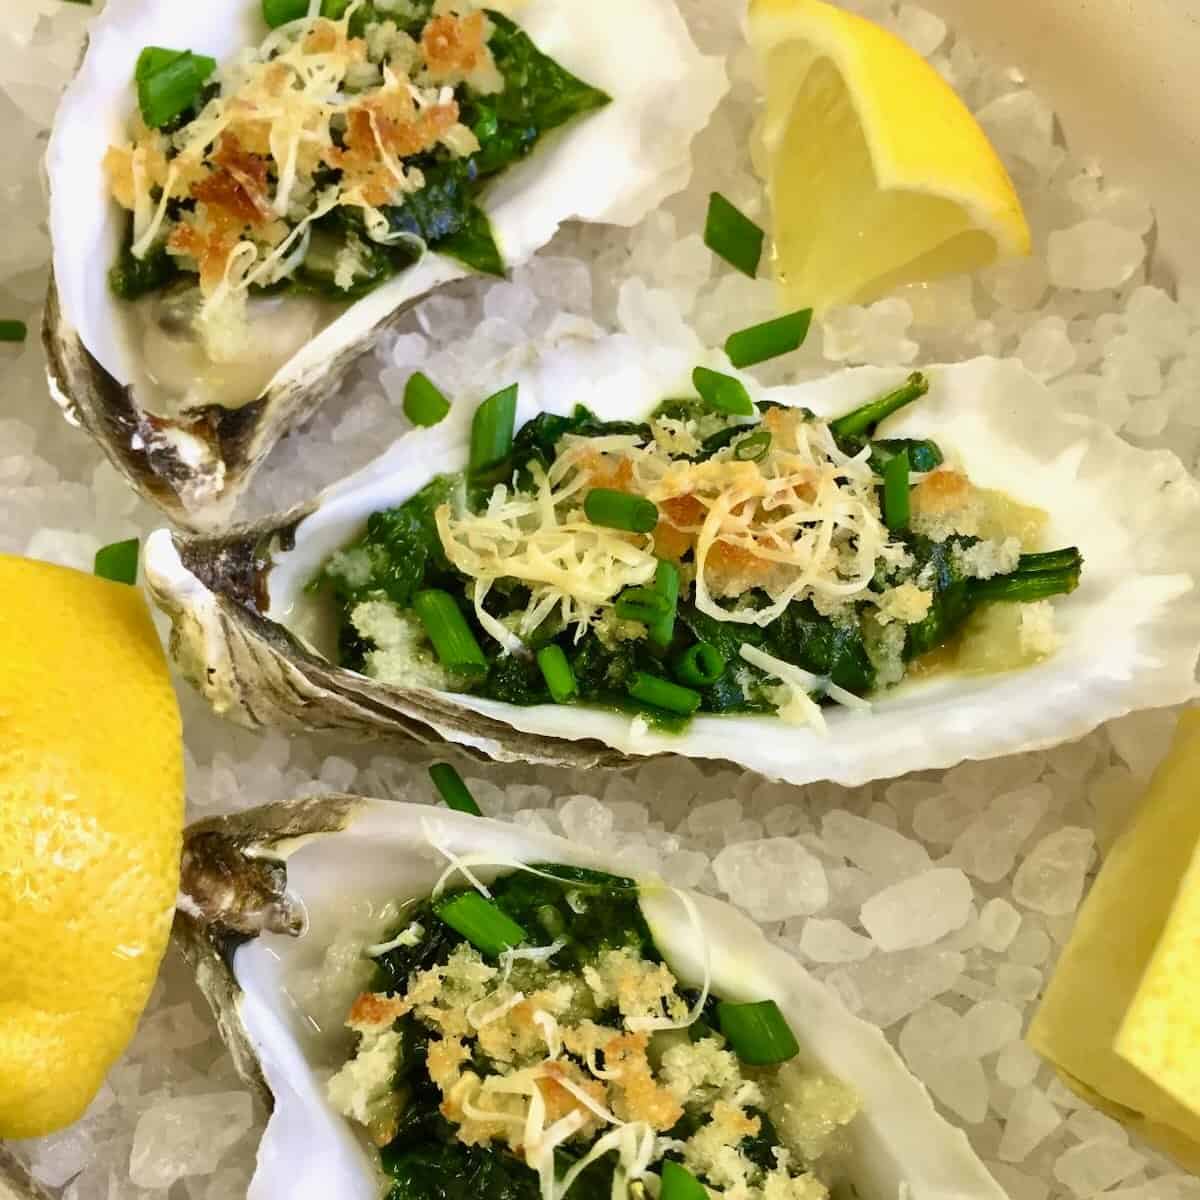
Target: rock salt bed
918 911
1136 366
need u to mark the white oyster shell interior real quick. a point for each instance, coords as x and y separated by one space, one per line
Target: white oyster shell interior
309 1152
1126 641
615 165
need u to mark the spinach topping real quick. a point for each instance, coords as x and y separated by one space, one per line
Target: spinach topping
611 664
591 912
445 214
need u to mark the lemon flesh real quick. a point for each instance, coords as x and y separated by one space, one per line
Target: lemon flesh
1120 1019
878 174
91 818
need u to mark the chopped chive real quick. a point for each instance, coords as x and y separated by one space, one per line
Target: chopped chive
758 1032
492 431
862 421
424 404
753 448
645 604
168 82
13 331
118 562
700 665
666 583
452 639
678 1183
895 493
453 790
723 392
662 693
487 927
620 510
557 673
732 235
768 340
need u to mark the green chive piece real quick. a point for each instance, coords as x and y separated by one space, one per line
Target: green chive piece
620 510
424 404
645 604
768 340
895 493
557 673
862 421
168 82
678 1183
452 639
662 693
453 790
487 927
492 431
13 331
753 448
118 562
723 392
732 235
758 1032
700 665
661 630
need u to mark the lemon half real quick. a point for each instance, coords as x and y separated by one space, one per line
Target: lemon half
91 819
878 173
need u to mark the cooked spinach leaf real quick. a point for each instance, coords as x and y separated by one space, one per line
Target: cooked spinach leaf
131 278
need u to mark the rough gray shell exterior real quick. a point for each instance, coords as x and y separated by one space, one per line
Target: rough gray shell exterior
272 680
229 896
239 439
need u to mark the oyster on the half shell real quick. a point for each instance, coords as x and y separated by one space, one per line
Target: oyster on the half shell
248 635
267 893
610 165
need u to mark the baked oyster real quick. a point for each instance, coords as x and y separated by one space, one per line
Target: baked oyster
243 195
286 951
254 630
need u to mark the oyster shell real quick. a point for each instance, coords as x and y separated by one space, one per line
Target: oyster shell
259 986
613 165
243 634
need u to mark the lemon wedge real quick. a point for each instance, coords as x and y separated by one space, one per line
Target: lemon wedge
878 174
1121 1017
91 820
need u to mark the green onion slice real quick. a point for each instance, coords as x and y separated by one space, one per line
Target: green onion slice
492 431
13 331
449 632
758 1032
768 340
118 562
723 392
678 1183
424 404
753 448
660 693
620 510
453 790
700 665
646 604
732 235
895 493
489 929
168 82
661 629
556 671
